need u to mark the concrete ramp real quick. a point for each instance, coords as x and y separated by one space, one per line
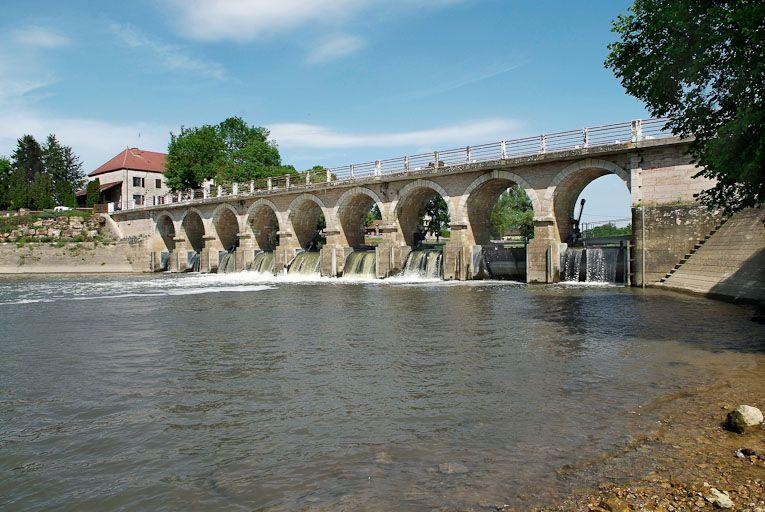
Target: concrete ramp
730 264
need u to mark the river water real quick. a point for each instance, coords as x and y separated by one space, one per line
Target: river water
237 392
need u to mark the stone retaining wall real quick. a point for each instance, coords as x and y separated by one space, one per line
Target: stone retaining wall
731 264
671 231
82 257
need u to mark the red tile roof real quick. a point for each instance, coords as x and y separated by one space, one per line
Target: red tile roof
134 159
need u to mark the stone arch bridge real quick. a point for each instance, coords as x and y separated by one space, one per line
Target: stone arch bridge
282 217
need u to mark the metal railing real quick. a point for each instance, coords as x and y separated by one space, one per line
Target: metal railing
599 136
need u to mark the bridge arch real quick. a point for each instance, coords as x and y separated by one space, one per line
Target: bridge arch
263 220
568 184
225 222
352 208
481 195
409 208
165 232
304 215
193 229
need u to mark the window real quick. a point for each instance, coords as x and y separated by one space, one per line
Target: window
137 182
138 199
159 184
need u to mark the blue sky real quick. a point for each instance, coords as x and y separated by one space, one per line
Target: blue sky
336 81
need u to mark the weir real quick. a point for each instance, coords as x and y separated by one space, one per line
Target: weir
284 214
594 265
263 262
501 262
305 263
424 264
361 264
226 262
192 261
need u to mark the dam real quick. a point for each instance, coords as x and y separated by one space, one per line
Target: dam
267 224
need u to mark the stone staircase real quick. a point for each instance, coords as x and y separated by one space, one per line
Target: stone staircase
729 262
693 251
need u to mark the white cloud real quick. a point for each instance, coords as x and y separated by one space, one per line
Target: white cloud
297 135
39 36
94 141
170 56
245 20
334 48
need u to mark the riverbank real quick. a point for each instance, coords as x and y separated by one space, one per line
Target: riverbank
676 465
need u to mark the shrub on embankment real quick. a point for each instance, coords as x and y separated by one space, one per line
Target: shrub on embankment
53 227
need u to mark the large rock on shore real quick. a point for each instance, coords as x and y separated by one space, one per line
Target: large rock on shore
742 418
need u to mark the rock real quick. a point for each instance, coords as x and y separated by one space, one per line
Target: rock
452 468
614 504
742 418
720 499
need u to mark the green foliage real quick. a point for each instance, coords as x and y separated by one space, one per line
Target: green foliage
28 157
513 211
93 193
39 177
372 215
702 64
606 230
5 174
437 212
41 192
231 151
194 155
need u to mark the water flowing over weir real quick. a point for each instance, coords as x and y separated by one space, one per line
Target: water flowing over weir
263 262
305 263
594 265
361 264
226 262
193 261
424 263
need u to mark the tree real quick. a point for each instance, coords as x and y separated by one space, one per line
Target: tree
194 155
64 169
437 213
41 192
372 215
701 63
28 157
93 193
231 151
5 174
18 189
513 211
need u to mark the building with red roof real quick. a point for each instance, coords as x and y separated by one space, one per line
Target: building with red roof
130 177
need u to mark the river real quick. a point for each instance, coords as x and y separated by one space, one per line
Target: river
236 392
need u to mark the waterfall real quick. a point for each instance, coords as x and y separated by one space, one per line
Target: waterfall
226 261
572 264
306 262
593 265
164 260
192 261
361 264
424 263
263 262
